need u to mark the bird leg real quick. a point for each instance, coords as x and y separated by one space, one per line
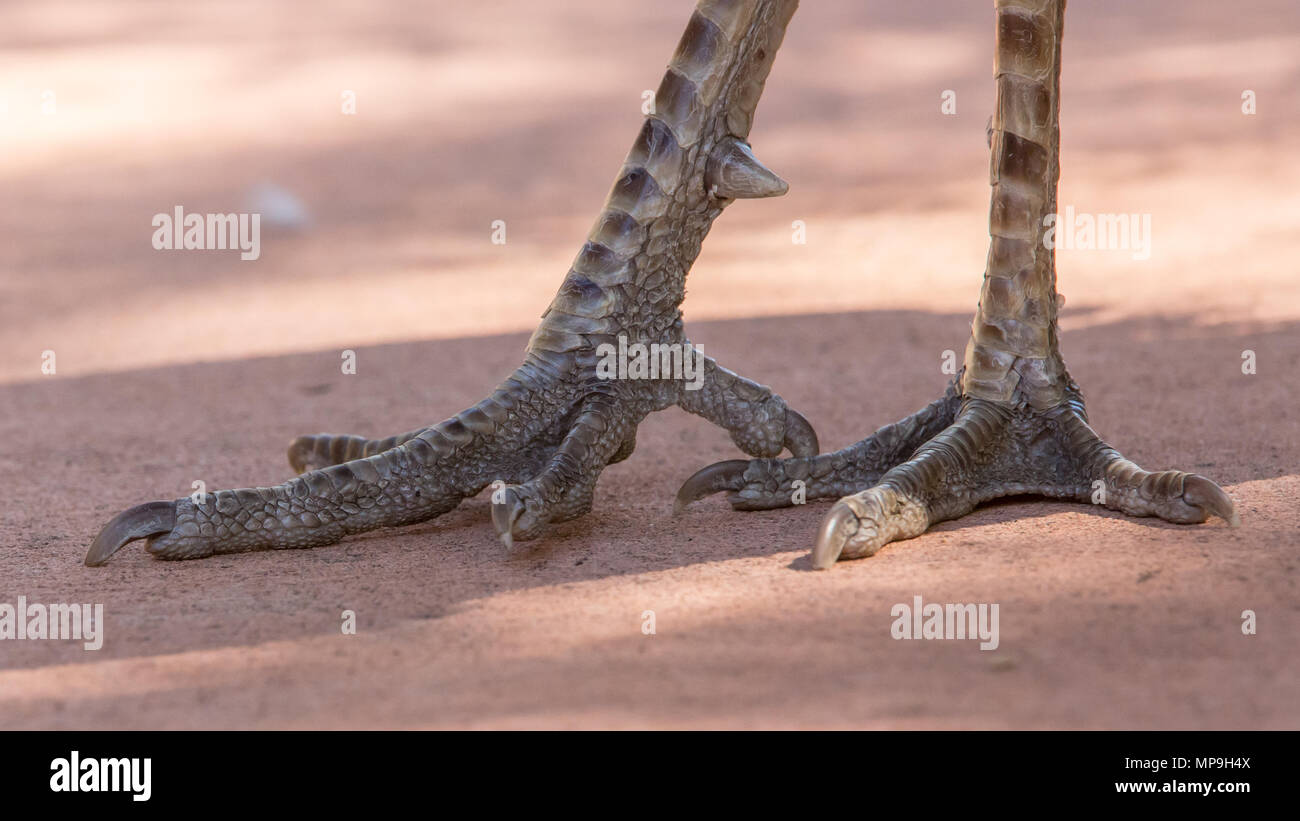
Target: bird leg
1014 422
545 434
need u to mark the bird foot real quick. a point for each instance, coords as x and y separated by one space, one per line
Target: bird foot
989 450
540 441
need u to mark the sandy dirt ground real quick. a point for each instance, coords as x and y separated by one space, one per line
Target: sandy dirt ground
181 366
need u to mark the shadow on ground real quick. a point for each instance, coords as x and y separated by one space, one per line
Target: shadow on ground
1167 392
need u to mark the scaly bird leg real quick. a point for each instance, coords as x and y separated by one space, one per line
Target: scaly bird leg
548 431
1020 426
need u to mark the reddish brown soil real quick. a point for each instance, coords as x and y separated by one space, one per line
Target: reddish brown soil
174 367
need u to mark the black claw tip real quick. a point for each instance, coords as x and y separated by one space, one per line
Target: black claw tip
141 521
1201 493
800 438
715 478
839 524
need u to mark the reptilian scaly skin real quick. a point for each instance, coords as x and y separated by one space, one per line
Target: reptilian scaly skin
1016 423
555 423
1012 354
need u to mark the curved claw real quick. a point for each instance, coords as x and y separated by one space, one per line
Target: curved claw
836 529
1201 493
141 521
713 479
800 438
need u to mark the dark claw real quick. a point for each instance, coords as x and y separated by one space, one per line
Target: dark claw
1200 492
141 521
834 533
800 438
713 479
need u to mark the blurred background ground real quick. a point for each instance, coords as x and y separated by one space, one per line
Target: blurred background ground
178 366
